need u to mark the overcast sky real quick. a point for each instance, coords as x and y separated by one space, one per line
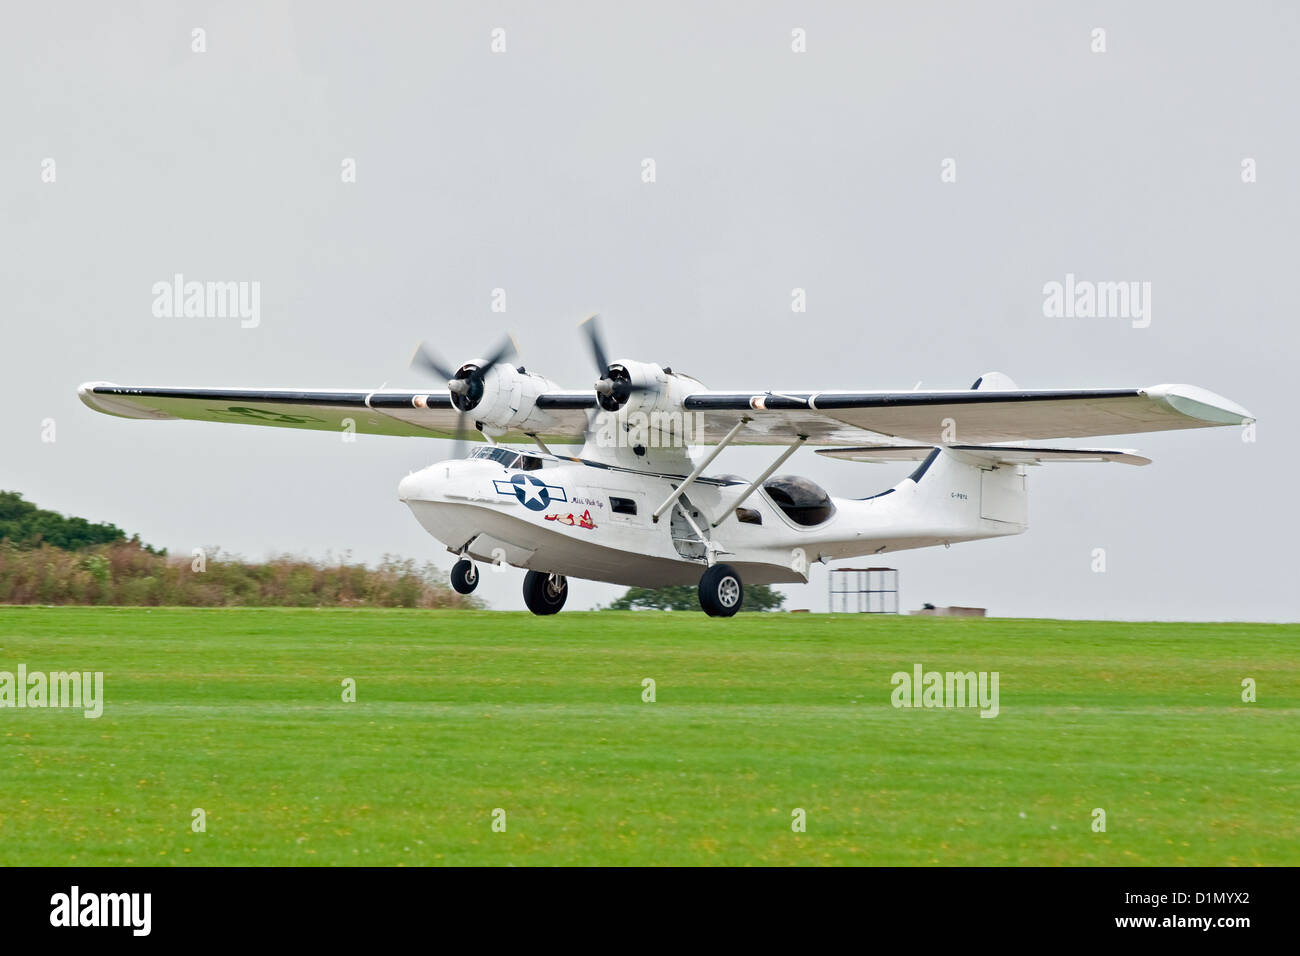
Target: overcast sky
775 170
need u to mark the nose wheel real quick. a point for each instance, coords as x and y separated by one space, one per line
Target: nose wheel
721 593
464 576
545 593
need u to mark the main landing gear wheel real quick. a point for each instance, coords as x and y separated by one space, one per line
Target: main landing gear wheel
720 591
545 593
464 576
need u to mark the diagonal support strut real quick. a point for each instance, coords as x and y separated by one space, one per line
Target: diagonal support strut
753 485
699 469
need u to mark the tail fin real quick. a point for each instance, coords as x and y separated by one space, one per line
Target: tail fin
993 381
969 492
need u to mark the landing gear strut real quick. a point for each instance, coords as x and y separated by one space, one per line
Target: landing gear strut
545 593
720 591
464 576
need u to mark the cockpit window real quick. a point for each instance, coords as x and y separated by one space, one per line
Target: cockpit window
507 458
503 456
804 502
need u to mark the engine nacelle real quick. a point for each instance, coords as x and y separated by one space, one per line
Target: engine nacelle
644 422
644 387
499 398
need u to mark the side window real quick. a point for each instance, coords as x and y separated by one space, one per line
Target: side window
529 463
622 506
749 516
803 501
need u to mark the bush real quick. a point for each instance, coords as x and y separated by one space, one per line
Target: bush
126 572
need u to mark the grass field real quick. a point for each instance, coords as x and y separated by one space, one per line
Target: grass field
240 713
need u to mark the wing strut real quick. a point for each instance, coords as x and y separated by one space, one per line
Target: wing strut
699 469
760 479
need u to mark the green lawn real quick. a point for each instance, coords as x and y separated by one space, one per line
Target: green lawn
240 712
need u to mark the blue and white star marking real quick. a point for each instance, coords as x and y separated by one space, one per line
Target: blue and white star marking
533 493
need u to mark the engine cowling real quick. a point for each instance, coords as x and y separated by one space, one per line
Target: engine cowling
644 422
498 398
646 387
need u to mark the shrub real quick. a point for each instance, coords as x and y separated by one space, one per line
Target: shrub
125 572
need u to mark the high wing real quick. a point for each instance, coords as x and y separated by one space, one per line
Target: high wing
976 417
428 414
996 454
828 418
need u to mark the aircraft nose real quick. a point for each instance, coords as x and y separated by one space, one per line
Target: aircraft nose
408 487
425 484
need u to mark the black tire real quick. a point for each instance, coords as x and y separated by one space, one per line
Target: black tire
721 593
464 576
545 593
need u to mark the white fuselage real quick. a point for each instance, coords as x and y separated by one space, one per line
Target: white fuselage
585 519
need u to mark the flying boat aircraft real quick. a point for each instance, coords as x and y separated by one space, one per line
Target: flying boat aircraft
636 505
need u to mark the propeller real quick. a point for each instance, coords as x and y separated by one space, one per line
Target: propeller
465 383
615 385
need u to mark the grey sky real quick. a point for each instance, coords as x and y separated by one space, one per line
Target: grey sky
775 170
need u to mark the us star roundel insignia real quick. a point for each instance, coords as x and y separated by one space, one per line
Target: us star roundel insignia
533 493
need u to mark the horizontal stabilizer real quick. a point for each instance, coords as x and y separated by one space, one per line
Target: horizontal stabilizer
996 454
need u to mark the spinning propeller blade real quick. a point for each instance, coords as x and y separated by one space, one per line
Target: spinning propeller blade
615 386
425 360
465 384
